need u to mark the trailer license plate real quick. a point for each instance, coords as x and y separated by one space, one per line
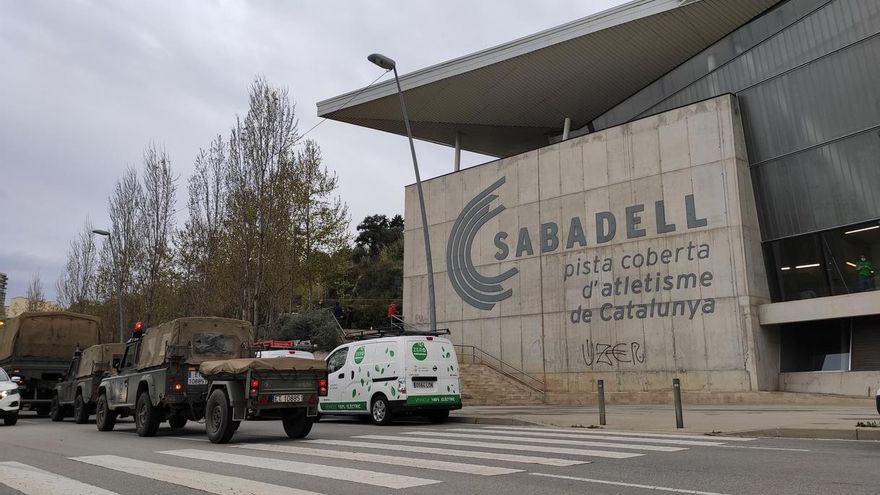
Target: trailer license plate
423 384
195 378
287 398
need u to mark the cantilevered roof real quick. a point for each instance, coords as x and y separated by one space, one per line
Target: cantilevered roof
511 98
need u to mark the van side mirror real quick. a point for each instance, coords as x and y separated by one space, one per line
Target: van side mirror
16 379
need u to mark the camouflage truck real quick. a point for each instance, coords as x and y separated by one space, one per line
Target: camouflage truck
36 347
285 388
77 394
157 378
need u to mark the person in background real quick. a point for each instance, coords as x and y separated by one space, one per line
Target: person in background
337 312
865 269
392 312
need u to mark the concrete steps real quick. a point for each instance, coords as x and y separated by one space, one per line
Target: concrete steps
483 386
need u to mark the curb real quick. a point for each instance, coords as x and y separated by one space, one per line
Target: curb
869 434
488 420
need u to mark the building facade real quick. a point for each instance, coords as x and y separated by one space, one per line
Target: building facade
706 206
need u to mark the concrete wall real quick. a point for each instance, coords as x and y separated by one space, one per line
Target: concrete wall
528 306
856 383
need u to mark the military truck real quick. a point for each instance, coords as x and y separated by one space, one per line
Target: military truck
77 394
285 388
36 347
157 378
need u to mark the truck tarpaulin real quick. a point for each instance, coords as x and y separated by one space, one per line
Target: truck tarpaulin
51 335
98 358
236 366
197 339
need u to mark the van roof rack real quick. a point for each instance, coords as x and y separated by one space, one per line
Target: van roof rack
353 335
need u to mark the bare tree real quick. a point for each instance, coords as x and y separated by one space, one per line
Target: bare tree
36 301
77 286
156 210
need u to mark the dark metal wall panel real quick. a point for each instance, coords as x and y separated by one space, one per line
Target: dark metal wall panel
807 75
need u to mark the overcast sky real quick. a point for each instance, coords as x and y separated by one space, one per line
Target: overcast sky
85 86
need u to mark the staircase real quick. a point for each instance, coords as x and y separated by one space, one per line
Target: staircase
482 385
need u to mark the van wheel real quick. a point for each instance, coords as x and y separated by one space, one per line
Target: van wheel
57 412
80 411
105 419
438 416
11 420
177 422
296 424
146 416
218 418
380 412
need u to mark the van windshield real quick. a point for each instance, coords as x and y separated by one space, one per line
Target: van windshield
3 376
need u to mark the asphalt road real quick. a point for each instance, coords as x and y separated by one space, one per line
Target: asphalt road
348 458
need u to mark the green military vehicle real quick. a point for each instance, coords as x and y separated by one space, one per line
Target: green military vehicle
77 394
285 388
158 380
36 347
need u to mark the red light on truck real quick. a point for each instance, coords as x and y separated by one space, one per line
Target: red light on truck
178 387
322 387
255 387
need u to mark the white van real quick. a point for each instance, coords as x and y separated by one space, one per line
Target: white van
388 376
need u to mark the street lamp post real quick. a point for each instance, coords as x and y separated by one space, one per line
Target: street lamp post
389 64
118 278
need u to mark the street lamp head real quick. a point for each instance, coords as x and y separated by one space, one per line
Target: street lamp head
101 232
382 61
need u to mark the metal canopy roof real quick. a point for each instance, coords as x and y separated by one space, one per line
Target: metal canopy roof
511 98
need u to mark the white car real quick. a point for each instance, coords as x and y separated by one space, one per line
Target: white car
383 377
10 401
285 353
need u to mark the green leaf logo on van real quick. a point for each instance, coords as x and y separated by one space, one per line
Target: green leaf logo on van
359 355
419 351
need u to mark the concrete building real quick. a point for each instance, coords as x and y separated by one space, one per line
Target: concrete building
684 189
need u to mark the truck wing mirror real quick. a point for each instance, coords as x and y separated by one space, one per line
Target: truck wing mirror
115 363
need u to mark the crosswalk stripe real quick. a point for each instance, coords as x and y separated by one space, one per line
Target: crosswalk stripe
624 433
218 484
455 467
624 484
474 454
478 435
588 438
362 476
34 481
503 446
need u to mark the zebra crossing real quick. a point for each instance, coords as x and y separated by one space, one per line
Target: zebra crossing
426 453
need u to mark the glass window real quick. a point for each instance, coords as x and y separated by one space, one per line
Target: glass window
816 345
3 376
337 360
839 261
214 343
130 355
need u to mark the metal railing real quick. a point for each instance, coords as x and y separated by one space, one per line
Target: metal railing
469 354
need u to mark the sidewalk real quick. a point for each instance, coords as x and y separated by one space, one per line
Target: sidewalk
805 421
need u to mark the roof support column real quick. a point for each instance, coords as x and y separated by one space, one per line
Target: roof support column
566 128
457 151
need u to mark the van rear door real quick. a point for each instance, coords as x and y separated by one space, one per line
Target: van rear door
431 372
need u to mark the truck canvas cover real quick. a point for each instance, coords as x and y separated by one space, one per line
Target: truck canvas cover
48 335
98 358
205 339
236 366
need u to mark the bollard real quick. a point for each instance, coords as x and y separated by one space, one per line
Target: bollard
602 402
676 398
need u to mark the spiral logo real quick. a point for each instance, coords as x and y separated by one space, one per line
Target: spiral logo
474 288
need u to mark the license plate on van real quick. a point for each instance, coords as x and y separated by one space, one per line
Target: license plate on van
422 384
195 378
287 398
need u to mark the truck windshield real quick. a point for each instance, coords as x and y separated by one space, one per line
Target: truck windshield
3 376
214 343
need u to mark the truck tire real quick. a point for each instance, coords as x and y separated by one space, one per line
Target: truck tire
438 417
10 420
296 424
146 416
56 413
177 422
105 419
80 410
380 412
218 418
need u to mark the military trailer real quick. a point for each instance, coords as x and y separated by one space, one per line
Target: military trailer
285 388
77 394
36 347
157 378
